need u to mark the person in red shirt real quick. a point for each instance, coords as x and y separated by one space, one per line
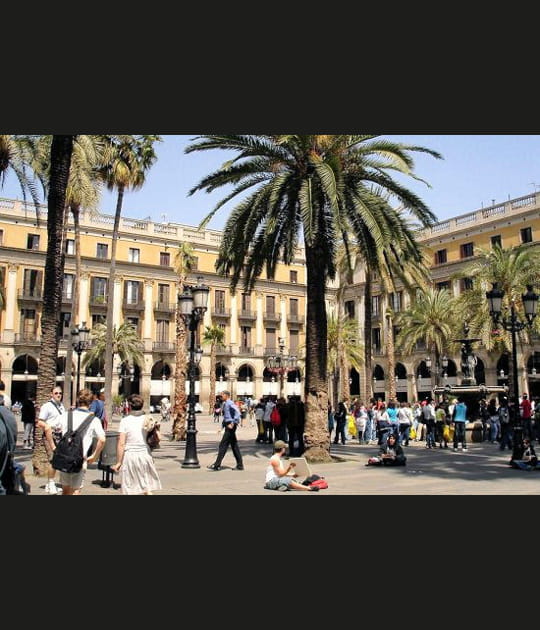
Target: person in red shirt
526 417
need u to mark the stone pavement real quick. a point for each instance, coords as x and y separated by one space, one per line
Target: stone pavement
483 470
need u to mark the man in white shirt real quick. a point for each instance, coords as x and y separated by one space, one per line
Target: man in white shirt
48 414
72 482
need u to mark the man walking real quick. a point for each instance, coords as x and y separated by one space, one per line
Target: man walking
231 419
48 415
459 419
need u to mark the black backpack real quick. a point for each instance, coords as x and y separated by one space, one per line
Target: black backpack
68 456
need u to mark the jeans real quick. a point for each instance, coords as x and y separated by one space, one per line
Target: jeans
229 439
268 431
369 432
506 435
340 432
404 430
460 434
29 433
430 435
495 428
527 428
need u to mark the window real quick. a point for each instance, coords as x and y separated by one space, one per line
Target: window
194 263
219 301
293 342
28 322
99 287
396 301
376 339
441 257
64 326
466 284
1 237
349 308
32 242
102 250
98 319
293 277
441 286
246 302
270 304
132 291
293 307
164 259
375 305
526 235
67 291
271 339
163 293
32 283
70 246
245 336
162 330
133 321
134 255
467 250
496 241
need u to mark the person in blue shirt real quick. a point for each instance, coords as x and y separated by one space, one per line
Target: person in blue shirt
231 419
97 407
459 418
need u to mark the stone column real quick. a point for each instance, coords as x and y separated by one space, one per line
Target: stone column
283 311
148 309
11 305
259 325
84 300
234 322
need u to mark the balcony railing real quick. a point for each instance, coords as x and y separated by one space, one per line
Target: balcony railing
164 346
27 338
223 350
67 297
165 307
272 317
245 350
295 319
98 300
30 294
132 305
247 315
221 312
271 351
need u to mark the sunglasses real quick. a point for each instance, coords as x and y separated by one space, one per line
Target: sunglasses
57 393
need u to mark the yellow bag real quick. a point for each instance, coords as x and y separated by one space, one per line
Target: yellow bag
351 426
450 434
446 433
412 434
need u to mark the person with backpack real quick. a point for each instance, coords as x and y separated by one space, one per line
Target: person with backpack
72 482
48 413
9 468
280 477
231 419
340 418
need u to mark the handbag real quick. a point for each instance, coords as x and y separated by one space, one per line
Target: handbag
446 433
152 437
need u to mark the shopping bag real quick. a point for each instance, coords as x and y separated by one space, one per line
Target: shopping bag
446 433
412 434
351 426
450 434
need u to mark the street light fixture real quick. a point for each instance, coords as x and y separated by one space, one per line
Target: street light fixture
81 342
513 325
192 305
282 364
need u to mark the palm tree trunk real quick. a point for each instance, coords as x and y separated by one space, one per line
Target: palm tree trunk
345 390
367 385
109 348
180 374
316 385
68 371
61 150
335 388
213 358
391 358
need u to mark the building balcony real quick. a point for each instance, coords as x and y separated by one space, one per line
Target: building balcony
272 317
247 315
27 338
245 350
98 301
133 305
30 295
165 307
222 313
67 297
296 320
223 351
167 347
270 352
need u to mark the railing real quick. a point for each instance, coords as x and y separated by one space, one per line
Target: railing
30 294
164 346
133 306
27 338
223 350
165 307
272 317
98 300
271 351
245 350
222 312
247 315
295 319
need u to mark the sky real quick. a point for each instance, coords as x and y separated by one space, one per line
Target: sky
476 170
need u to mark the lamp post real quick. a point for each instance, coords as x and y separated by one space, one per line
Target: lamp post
192 306
80 336
513 325
282 364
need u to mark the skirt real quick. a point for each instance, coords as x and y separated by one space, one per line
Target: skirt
138 473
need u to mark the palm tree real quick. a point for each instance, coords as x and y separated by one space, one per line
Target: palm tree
318 187
215 336
431 318
16 154
344 352
61 150
512 270
126 162
126 344
184 262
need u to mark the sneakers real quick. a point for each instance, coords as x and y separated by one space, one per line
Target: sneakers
465 449
238 468
51 488
213 467
282 489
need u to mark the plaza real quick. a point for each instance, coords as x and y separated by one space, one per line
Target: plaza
483 470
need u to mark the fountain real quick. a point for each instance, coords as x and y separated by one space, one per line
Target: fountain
470 391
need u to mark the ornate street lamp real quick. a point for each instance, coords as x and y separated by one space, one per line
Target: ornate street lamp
282 364
80 342
513 325
193 304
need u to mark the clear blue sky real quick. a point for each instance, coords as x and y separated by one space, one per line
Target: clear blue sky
476 169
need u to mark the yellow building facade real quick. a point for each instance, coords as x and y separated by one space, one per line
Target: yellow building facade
145 294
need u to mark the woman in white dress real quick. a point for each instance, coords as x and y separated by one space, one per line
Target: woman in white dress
133 457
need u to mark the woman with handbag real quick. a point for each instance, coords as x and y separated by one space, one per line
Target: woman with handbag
133 457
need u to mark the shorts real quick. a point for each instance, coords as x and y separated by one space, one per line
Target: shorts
73 480
276 482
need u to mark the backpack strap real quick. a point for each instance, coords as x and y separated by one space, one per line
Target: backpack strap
85 424
10 447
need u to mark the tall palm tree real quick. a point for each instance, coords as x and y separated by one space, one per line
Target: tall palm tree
318 187
61 151
344 352
16 154
431 318
184 261
125 165
512 270
126 344
214 336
